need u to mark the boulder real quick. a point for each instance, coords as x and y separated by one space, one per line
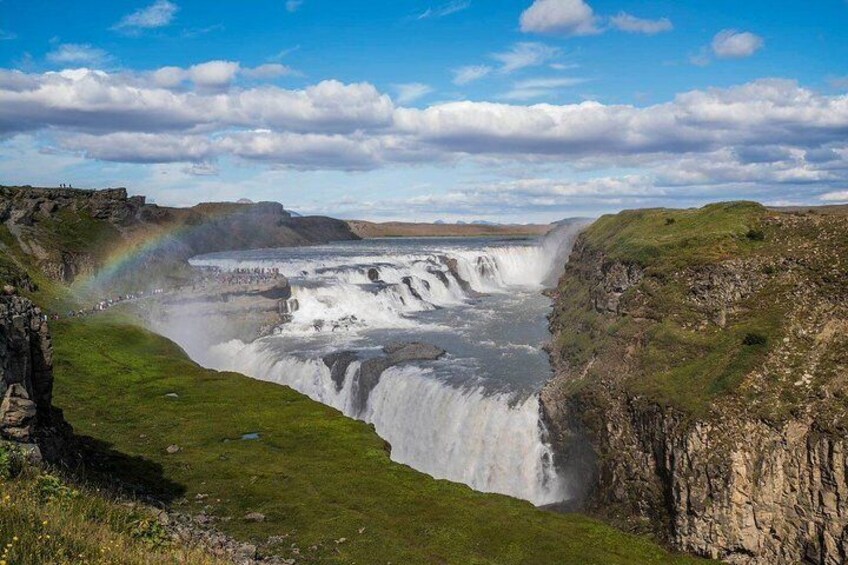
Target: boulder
19 414
254 517
372 369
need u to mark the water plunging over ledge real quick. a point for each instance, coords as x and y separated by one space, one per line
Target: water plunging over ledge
471 416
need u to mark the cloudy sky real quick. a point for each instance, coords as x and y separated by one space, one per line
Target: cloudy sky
498 110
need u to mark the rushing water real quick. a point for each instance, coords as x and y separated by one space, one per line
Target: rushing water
471 416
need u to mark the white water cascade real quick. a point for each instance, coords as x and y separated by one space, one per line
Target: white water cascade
472 416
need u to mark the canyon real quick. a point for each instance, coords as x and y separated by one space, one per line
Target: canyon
699 356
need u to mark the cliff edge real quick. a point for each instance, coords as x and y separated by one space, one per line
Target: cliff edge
27 416
700 392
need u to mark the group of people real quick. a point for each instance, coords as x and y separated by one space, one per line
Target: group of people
63 185
205 277
107 303
215 276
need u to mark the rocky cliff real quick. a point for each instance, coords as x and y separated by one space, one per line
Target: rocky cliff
27 416
69 234
700 391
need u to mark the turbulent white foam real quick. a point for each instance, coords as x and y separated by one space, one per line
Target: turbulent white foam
465 435
336 294
492 442
460 434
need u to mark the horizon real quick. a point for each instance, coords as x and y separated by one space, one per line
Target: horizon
424 111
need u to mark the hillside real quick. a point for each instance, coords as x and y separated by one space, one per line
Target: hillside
701 359
53 238
324 483
368 230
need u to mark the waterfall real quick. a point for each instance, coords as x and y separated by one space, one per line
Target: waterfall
463 434
455 418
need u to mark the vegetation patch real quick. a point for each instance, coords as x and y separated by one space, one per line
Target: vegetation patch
323 483
736 303
44 519
666 239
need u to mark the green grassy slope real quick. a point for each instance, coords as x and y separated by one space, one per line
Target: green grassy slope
325 482
43 521
787 279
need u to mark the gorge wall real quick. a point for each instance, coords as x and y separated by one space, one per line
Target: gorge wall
700 385
27 416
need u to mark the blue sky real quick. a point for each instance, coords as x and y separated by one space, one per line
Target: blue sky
462 109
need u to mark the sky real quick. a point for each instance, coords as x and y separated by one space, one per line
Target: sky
497 110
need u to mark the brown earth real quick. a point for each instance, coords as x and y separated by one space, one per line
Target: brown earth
370 230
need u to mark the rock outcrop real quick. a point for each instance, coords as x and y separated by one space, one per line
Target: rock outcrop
748 467
27 416
69 234
372 368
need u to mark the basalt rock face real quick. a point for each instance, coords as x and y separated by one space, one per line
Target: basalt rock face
750 468
26 361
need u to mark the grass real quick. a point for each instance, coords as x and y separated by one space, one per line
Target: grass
689 369
324 482
44 520
17 266
674 360
665 239
78 233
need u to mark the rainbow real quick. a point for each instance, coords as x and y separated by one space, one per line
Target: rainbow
135 249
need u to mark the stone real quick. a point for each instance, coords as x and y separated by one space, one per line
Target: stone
728 484
171 449
254 517
19 413
371 370
338 364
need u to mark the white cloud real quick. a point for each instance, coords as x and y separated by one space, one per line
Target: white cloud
410 92
562 17
138 147
701 58
767 131
730 43
6 35
540 87
268 71
78 54
525 54
631 24
158 14
202 169
282 54
293 5
470 73
445 9
213 74
838 82
169 77
839 196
